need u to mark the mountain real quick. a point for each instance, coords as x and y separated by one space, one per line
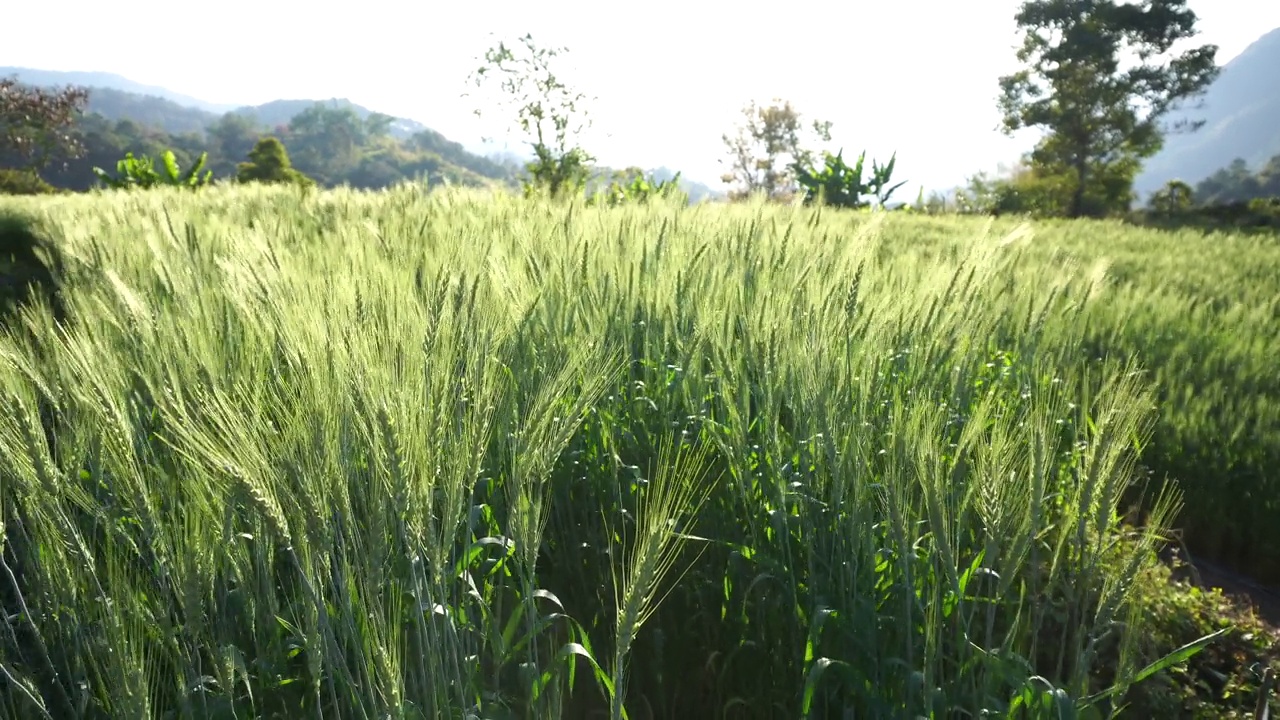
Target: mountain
149 110
118 99
111 81
192 125
1241 110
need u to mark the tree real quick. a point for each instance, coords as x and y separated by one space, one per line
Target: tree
1237 183
233 136
547 111
378 125
1101 120
327 141
269 163
765 149
1175 197
36 124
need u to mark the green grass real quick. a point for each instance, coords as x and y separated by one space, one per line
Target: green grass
465 455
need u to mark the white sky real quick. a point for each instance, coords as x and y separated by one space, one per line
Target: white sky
915 76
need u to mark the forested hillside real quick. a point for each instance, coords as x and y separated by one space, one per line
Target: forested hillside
1241 115
334 141
332 145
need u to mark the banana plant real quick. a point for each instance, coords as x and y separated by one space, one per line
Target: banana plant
842 185
638 189
141 172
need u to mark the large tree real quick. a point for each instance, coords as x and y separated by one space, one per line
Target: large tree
765 148
37 124
1101 118
327 141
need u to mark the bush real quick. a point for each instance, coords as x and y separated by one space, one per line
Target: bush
1260 215
24 182
269 163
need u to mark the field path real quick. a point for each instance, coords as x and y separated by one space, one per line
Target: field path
1263 599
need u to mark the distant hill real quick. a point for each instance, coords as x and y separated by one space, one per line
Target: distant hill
111 81
117 98
1241 110
149 110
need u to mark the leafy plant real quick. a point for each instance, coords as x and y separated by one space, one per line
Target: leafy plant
631 186
140 172
841 185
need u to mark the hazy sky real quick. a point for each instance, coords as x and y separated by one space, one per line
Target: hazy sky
915 76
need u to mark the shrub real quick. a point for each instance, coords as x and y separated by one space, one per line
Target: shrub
269 163
23 182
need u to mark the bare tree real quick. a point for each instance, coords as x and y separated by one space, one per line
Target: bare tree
764 147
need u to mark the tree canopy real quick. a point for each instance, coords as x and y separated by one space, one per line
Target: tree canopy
1102 116
37 124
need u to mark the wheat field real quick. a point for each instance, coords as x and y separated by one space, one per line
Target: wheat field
467 455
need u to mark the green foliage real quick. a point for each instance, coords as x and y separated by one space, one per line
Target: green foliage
141 173
269 163
1101 121
332 140
1237 184
23 182
1175 197
1256 216
556 175
1040 190
631 186
1224 680
547 112
839 185
1228 200
374 161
